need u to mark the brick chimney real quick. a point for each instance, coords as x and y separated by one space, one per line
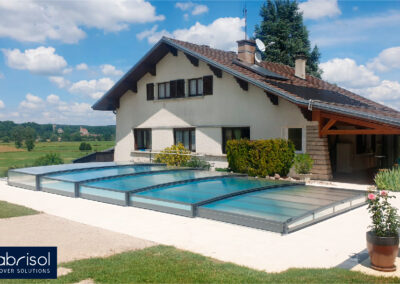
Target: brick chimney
300 65
246 50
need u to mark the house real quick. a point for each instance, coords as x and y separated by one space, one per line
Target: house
202 97
60 131
83 131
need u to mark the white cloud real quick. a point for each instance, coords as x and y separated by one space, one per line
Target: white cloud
387 60
316 9
196 9
81 66
199 9
110 70
42 60
346 72
53 99
40 20
60 81
92 88
214 34
2 105
31 102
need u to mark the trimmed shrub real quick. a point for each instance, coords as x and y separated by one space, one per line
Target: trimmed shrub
260 157
195 162
49 159
388 179
303 163
85 146
176 155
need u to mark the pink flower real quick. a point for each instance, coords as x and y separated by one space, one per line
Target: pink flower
371 196
384 193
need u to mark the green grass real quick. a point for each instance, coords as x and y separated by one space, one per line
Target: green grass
67 150
163 264
8 210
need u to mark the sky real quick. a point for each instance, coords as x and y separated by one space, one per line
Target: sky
58 57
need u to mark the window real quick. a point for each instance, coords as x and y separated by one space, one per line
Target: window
164 90
150 92
196 87
142 138
231 133
186 136
296 136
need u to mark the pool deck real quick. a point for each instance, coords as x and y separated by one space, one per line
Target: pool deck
330 243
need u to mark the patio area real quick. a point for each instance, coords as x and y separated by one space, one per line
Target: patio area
336 242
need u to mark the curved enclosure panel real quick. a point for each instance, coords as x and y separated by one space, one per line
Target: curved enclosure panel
283 209
143 182
170 198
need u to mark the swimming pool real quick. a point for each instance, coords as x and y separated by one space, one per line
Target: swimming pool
273 205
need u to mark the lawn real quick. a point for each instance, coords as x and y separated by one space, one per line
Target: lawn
8 210
10 156
163 264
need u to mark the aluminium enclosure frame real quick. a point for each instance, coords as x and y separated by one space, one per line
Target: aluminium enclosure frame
39 176
287 226
77 184
193 207
129 192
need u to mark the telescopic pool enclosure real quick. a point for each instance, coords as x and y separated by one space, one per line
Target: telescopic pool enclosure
272 205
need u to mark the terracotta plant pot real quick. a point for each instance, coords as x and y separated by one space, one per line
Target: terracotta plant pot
382 251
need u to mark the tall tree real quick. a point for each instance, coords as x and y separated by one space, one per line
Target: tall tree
284 33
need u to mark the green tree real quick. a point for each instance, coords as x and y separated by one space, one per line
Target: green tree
30 137
18 135
283 32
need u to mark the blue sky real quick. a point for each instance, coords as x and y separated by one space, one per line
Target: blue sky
58 57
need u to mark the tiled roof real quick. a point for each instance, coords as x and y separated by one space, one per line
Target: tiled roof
348 99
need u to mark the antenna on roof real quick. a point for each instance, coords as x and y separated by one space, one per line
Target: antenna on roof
245 20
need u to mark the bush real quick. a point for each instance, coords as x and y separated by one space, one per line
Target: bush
388 179
195 162
85 146
260 157
49 159
303 163
176 155
30 144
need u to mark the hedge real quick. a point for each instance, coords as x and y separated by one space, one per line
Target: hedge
260 157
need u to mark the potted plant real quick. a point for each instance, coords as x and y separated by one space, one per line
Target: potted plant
303 164
383 238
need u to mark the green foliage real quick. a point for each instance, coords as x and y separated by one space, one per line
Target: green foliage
30 144
176 155
49 159
282 23
383 215
195 162
6 139
260 157
53 138
303 163
18 136
388 179
85 146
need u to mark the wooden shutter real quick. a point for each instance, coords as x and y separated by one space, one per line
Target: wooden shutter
208 85
150 92
180 92
173 89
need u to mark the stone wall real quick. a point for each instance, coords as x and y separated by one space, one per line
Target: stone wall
318 149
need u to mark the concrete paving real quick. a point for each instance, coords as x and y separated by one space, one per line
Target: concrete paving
72 239
326 244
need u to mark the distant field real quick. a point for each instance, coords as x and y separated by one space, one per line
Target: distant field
10 156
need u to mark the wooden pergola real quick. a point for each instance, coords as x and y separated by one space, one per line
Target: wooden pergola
328 121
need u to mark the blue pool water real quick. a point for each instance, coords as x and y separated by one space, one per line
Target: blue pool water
64 167
83 175
141 181
198 191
